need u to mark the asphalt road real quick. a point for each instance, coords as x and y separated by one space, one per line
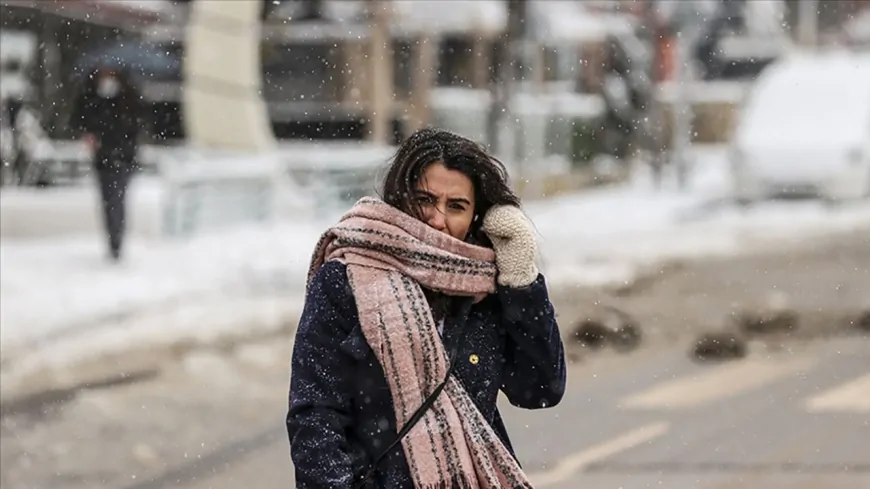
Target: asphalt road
791 419
796 417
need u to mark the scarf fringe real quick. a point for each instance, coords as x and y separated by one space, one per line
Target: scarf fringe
462 483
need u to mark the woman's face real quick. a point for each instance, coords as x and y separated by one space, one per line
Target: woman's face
446 199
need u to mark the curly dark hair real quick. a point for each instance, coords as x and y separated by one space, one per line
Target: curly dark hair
427 146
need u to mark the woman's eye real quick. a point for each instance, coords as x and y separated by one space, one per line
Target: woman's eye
458 207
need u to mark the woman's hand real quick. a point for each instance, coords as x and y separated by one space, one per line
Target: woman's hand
513 239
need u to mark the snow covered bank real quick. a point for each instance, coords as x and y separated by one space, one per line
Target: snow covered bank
610 236
52 288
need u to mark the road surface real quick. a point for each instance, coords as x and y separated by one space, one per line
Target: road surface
793 418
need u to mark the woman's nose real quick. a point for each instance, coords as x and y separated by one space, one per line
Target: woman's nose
436 219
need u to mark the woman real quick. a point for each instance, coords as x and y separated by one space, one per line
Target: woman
109 114
435 282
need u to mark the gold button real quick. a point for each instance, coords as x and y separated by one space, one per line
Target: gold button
473 359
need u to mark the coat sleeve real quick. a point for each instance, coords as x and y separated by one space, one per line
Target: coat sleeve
319 412
534 370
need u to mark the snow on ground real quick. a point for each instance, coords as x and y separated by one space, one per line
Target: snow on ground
51 286
60 291
610 235
66 211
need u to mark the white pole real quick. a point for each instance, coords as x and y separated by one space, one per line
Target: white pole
222 51
381 74
682 108
808 22
520 58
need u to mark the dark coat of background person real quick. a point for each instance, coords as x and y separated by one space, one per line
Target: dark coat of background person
115 123
341 413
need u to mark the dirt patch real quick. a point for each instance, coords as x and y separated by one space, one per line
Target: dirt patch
720 346
801 293
862 321
607 327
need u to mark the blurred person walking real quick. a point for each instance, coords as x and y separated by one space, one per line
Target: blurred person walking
109 115
421 306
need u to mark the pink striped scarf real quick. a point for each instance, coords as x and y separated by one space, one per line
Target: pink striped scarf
389 256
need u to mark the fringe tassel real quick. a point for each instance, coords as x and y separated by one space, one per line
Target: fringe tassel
460 482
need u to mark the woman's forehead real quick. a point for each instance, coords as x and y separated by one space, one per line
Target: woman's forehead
444 182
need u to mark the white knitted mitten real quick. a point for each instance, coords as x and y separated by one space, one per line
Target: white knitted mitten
513 239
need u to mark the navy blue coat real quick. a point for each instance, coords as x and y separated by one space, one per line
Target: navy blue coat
341 413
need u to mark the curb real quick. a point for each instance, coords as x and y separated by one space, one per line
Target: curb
115 353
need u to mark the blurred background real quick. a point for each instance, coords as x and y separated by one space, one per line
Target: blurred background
698 172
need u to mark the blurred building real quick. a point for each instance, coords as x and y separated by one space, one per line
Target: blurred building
64 30
317 62
316 82
317 58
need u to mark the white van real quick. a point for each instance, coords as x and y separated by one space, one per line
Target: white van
805 129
